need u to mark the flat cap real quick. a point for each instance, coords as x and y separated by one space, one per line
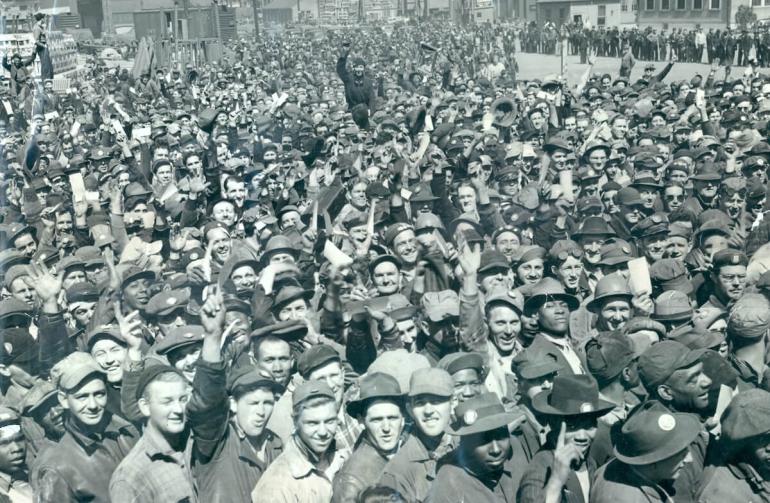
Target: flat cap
748 415
663 359
749 317
431 381
315 357
311 389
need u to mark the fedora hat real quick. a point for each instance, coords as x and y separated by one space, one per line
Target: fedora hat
594 226
572 395
290 293
548 289
652 433
375 385
481 413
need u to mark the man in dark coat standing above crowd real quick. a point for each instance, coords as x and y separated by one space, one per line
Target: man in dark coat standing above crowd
359 88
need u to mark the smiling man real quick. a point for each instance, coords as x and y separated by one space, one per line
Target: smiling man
73 469
413 469
157 468
303 472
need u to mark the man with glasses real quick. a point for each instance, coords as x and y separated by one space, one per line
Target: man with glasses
727 279
673 196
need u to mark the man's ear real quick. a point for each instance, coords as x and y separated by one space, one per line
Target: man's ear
233 405
62 397
144 407
664 392
5 371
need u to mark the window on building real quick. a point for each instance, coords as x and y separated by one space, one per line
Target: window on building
665 4
624 7
681 5
601 18
756 3
697 4
650 5
715 4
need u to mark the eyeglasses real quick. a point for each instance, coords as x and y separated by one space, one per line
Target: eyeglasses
674 197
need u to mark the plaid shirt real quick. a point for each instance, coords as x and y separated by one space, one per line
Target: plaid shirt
153 471
348 431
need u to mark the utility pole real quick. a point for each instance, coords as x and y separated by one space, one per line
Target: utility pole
176 32
256 18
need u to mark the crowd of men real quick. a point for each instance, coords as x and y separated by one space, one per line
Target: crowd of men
375 266
742 47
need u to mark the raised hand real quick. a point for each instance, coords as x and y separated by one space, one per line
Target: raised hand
470 258
47 284
130 327
565 456
213 314
177 239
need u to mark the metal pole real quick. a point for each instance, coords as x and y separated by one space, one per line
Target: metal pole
176 32
216 19
256 18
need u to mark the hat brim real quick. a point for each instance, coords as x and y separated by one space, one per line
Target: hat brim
599 407
680 285
301 294
488 423
593 306
614 260
538 300
679 442
137 276
268 254
355 407
671 317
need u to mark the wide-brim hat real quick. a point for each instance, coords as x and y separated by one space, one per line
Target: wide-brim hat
572 395
375 386
549 289
481 413
289 294
655 435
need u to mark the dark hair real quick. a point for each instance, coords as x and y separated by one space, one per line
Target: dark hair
380 494
233 179
258 341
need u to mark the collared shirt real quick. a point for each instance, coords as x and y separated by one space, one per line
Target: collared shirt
501 379
565 348
348 431
16 487
292 478
413 469
154 472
